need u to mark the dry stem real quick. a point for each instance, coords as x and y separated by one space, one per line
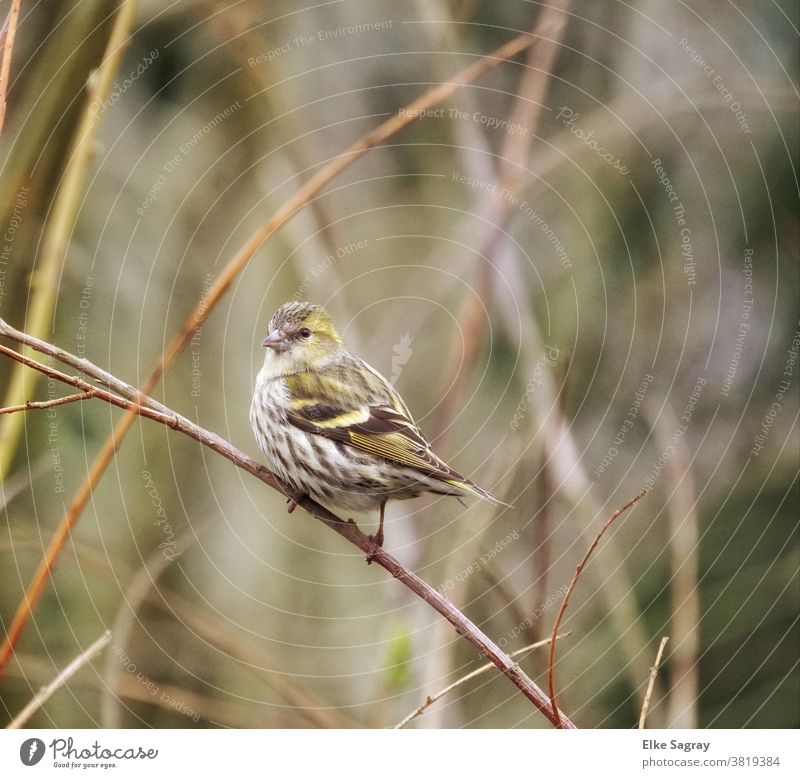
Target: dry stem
551 675
652 682
468 677
30 405
46 692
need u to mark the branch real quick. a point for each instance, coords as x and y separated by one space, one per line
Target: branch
468 677
652 682
7 37
46 692
551 673
137 403
308 191
30 406
166 417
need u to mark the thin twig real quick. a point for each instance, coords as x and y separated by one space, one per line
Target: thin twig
46 692
468 677
146 406
652 682
9 35
31 405
167 417
101 462
551 675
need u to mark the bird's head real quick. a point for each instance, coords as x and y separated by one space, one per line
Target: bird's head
301 337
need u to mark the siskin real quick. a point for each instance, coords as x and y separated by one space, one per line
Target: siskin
335 429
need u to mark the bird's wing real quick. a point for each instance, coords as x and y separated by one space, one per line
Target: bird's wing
371 417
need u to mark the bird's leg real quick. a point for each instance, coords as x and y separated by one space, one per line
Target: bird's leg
377 538
379 535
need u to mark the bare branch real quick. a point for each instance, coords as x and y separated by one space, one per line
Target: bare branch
46 692
31 405
468 677
166 417
150 408
551 675
652 682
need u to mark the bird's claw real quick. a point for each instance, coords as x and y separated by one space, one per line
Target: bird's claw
293 502
377 543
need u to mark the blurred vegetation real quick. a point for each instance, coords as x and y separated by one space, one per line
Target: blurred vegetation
260 618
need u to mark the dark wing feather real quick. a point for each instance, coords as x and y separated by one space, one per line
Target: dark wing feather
384 429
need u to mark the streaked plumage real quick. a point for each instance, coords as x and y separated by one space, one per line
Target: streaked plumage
334 428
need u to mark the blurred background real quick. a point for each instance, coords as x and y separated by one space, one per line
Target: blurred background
580 271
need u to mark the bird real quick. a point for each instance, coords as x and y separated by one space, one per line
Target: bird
333 428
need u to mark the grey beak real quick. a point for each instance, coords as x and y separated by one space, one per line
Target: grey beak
276 340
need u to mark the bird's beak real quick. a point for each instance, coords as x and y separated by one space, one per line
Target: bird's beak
276 340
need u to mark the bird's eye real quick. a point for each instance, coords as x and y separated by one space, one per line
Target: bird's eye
304 333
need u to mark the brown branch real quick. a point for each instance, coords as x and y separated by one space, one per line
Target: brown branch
9 35
468 677
652 682
46 692
165 418
150 408
308 191
31 405
551 674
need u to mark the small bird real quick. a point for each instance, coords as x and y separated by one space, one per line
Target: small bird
334 428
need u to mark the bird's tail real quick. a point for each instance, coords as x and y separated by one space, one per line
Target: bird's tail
470 487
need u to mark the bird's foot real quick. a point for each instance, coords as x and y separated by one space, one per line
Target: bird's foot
377 542
293 502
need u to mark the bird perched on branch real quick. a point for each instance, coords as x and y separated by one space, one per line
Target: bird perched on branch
335 429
